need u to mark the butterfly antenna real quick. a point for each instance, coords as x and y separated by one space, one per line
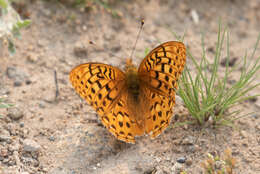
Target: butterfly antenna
141 27
100 48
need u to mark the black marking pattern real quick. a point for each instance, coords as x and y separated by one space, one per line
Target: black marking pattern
160 71
162 67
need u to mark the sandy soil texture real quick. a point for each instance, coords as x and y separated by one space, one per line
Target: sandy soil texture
42 134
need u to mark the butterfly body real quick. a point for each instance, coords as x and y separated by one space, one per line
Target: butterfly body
135 101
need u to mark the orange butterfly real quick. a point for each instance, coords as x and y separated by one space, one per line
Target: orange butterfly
135 101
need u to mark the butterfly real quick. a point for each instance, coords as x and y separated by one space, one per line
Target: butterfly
133 101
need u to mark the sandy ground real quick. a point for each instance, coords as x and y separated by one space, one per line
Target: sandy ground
43 134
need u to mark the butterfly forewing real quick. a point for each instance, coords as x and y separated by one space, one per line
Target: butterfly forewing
162 67
98 84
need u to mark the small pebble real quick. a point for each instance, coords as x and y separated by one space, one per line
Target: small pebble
18 75
181 160
3 152
243 134
230 63
189 140
52 138
32 58
31 146
15 113
11 72
188 162
194 16
11 162
80 50
18 82
22 124
28 82
218 164
5 136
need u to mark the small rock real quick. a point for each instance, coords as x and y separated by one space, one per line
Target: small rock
41 43
181 160
218 164
179 100
192 148
31 146
11 162
5 136
52 138
3 152
11 127
32 58
6 160
231 62
194 16
188 162
22 124
28 82
80 50
243 134
17 75
18 82
189 140
11 72
116 48
84 28
255 116
211 49
15 113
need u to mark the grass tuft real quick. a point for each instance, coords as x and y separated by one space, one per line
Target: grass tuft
208 96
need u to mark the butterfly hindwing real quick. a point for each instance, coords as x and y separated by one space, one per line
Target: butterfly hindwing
121 121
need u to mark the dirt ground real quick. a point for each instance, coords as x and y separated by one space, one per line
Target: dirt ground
42 134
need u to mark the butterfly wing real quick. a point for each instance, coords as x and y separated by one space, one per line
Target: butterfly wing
121 121
159 73
103 87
